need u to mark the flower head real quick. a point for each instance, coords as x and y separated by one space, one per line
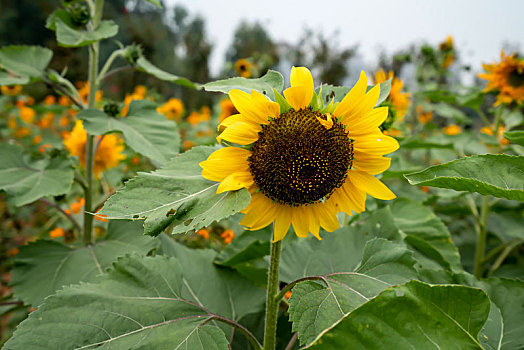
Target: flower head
228 236
11 90
172 109
227 109
108 152
196 118
305 164
399 99
27 114
452 129
243 68
506 77
424 116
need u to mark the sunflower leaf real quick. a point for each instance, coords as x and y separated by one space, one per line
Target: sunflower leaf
516 137
413 316
24 64
138 302
144 129
385 88
176 195
145 66
27 180
69 35
265 85
499 175
45 266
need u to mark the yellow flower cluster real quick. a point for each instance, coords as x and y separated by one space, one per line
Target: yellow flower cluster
506 77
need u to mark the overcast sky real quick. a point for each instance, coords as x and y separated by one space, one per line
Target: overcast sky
480 27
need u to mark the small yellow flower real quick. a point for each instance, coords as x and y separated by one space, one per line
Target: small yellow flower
46 121
243 68
506 77
12 124
452 129
196 118
49 100
449 58
22 132
37 139
227 109
172 109
64 101
423 116
11 90
486 130
84 92
447 45
57 232
77 206
228 236
140 90
108 153
399 99
27 114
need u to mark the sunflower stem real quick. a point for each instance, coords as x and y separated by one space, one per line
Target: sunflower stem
90 143
270 330
481 238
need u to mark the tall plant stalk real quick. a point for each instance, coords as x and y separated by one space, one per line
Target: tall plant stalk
270 330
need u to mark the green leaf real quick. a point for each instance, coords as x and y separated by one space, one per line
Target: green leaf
314 308
248 246
339 251
221 290
157 3
135 305
145 66
71 36
45 266
516 137
144 129
416 142
265 85
505 326
426 233
450 112
24 63
284 105
26 180
498 175
413 316
385 88
176 194
330 92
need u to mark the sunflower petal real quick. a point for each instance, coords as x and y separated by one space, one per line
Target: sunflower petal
235 182
368 123
259 204
353 96
240 133
371 165
375 145
364 106
282 222
300 221
327 219
225 161
256 108
300 93
370 185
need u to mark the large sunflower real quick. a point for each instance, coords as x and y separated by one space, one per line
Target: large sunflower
507 77
302 164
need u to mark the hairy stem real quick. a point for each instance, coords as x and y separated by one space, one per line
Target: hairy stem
270 330
254 342
481 238
69 217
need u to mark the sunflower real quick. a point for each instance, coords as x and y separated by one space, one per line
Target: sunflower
399 99
11 90
108 152
172 109
306 162
243 68
452 129
227 109
507 77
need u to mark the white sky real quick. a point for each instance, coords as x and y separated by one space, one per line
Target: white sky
479 27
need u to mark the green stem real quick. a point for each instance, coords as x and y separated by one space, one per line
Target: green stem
254 342
114 55
503 256
270 331
90 144
481 238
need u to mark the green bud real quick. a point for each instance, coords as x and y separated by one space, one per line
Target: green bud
111 109
133 53
79 13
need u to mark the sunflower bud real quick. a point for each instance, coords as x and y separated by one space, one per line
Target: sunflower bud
111 109
79 13
132 54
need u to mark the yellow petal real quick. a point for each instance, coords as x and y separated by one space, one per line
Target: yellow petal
235 182
256 108
369 122
362 108
313 221
375 145
240 133
327 218
339 202
282 222
259 203
370 185
235 118
371 165
353 97
225 161
300 93
300 221
355 196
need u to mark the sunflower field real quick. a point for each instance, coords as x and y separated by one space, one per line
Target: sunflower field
143 207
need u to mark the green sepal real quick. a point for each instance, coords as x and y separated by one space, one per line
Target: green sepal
284 105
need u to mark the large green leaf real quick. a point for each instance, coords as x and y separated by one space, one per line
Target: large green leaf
71 36
516 137
144 129
505 325
26 180
221 290
137 304
314 307
413 316
265 85
45 266
337 93
145 66
23 63
176 194
426 233
499 175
